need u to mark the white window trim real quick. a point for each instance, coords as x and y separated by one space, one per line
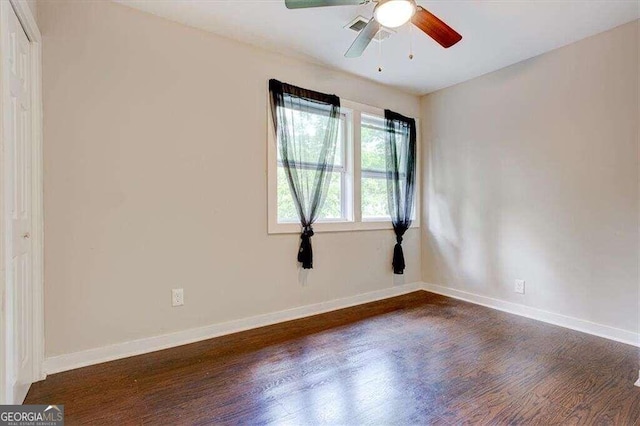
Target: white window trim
352 192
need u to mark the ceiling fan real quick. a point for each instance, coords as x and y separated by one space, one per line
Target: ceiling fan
390 14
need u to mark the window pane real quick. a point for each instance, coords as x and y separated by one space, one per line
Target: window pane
372 153
332 207
331 210
309 130
374 198
372 150
286 208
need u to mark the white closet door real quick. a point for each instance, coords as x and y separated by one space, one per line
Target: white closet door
17 159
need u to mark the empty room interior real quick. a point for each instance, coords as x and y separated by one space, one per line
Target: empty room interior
303 212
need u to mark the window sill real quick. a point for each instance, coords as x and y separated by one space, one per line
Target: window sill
321 227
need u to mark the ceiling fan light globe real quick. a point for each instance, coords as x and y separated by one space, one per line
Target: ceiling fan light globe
394 13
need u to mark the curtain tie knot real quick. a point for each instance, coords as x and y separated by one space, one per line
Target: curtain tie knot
305 254
399 239
307 231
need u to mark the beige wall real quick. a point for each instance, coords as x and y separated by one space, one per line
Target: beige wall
155 178
533 174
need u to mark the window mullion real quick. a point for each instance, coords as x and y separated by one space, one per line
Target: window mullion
357 165
344 192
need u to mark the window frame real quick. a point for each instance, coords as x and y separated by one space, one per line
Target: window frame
352 182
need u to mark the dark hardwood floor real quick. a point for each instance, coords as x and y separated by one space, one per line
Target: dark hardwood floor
414 359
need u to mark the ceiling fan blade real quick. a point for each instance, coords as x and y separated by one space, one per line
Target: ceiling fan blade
363 39
303 4
435 28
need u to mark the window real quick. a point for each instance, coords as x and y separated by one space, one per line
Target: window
357 197
335 207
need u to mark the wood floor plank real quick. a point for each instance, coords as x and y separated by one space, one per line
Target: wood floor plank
420 358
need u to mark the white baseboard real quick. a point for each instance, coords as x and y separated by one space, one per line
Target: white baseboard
612 333
74 360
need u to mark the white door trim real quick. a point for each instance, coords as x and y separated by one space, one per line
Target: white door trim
28 22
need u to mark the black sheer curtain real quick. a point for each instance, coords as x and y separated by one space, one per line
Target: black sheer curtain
400 150
306 125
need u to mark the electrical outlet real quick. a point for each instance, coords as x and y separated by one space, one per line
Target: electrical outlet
519 287
177 297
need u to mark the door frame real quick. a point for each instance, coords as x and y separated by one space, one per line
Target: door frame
28 22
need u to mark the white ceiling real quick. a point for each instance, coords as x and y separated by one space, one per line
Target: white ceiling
496 33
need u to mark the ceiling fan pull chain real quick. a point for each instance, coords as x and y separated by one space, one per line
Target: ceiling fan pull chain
410 41
379 52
